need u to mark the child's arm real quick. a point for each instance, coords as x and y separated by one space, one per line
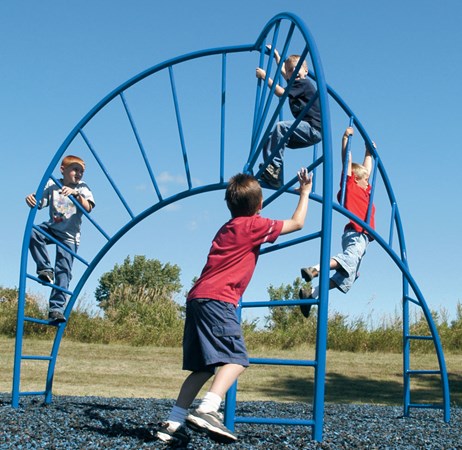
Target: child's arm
348 132
277 58
67 190
278 90
368 158
298 218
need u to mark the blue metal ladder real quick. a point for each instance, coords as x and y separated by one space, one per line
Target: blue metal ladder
284 31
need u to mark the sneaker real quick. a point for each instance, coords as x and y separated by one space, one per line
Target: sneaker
45 275
211 423
308 273
305 293
271 176
56 316
178 437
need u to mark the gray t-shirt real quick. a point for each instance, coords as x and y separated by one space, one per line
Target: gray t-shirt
65 218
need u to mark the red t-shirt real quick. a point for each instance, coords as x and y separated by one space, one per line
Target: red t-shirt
357 201
233 257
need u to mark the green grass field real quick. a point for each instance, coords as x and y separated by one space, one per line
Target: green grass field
126 371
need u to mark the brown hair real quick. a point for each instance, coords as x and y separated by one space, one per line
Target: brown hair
243 195
71 159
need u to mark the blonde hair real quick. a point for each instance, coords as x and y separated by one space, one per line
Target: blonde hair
293 60
71 159
359 170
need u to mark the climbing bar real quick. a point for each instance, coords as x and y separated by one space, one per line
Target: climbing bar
39 321
346 158
283 362
59 244
222 118
38 358
274 421
272 121
180 126
274 303
140 145
422 338
109 178
291 182
423 372
392 222
306 238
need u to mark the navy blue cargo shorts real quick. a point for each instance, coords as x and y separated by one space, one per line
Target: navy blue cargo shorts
212 336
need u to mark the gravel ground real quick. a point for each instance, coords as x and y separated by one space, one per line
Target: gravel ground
113 423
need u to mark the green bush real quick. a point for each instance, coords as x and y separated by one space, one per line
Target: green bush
149 316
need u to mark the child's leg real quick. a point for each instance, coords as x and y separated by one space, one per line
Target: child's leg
38 250
63 276
274 141
222 381
354 245
191 387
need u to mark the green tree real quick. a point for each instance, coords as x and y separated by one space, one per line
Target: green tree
162 281
282 318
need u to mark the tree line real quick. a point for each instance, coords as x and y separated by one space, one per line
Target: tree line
138 306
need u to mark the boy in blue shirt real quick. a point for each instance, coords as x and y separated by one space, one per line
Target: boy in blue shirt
307 132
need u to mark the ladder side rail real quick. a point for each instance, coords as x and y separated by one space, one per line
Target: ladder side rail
15 389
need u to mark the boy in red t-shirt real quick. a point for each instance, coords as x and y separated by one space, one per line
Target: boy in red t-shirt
212 334
354 239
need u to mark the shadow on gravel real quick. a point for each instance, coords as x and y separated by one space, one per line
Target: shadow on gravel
108 420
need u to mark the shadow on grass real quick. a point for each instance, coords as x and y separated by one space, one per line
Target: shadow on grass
343 389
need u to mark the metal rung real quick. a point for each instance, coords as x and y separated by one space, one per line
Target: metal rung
283 362
39 358
423 372
273 421
426 405
41 321
421 338
24 394
272 303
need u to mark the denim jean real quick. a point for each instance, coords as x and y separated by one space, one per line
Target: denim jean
302 136
354 246
63 264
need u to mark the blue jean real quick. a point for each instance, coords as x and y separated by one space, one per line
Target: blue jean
302 136
63 264
354 247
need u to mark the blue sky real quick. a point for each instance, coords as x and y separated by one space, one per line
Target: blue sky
396 64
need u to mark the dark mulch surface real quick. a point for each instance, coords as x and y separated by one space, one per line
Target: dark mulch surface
113 423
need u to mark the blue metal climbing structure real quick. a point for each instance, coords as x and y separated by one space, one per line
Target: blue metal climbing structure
144 143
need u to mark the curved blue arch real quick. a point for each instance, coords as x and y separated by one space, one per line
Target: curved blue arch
282 30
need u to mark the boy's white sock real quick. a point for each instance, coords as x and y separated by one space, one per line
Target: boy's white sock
315 292
177 417
210 402
317 267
